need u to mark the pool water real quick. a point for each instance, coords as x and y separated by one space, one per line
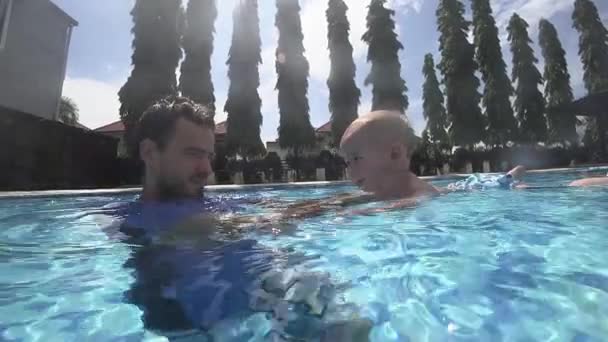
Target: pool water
490 265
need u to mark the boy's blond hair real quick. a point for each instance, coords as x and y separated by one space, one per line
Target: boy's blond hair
382 127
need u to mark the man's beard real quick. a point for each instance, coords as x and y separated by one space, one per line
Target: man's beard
168 191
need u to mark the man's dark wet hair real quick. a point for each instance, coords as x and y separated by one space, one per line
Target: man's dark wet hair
157 123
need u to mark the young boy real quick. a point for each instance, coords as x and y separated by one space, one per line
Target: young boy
590 181
378 147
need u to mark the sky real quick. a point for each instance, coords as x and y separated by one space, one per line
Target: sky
100 53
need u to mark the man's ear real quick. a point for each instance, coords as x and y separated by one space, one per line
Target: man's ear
147 148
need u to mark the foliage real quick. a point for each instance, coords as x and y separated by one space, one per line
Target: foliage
502 126
458 69
195 80
344 96
244 104
562 125
429 156
593 50
273 167
295 130
68 111
385 75
156 55
305 166
433 108
593 45
333 164
529 102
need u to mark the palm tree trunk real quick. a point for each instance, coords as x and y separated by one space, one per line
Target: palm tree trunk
296 154
602 127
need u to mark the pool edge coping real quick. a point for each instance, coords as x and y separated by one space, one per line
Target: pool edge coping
232 187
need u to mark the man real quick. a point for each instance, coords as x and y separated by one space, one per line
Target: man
188 275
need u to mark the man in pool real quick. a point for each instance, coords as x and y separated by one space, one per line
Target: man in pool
191 271
176 144
184 272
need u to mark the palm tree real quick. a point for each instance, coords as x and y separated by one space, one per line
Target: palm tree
68 111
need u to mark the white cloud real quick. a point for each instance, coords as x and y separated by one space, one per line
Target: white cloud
365 106
414 115
357 14
268 77
270 110
97 101
314 28
269 47
406 5
530 10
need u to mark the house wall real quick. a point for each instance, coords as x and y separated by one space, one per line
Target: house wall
323 143
32 62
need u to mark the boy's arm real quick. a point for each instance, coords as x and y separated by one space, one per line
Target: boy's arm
301 210
316 207
597 181
404 203
400 204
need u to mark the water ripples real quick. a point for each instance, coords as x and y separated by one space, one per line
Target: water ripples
491 266
474 266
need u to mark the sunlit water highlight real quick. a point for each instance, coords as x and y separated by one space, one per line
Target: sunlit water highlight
480 266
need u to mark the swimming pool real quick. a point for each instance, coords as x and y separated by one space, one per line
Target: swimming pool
489 266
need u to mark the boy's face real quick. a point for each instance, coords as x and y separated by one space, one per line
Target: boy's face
370 164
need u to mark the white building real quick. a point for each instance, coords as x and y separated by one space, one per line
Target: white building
34 42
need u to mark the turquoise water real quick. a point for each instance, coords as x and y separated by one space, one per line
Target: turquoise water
479 266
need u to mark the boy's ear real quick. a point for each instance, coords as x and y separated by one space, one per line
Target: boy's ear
406 150
396 152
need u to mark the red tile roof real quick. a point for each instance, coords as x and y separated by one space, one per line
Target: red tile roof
325 128
111 128
220 128
81 126
118 126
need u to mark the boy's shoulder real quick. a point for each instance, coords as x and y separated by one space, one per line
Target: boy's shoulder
424 188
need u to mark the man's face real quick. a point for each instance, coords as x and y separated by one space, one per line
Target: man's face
181 169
